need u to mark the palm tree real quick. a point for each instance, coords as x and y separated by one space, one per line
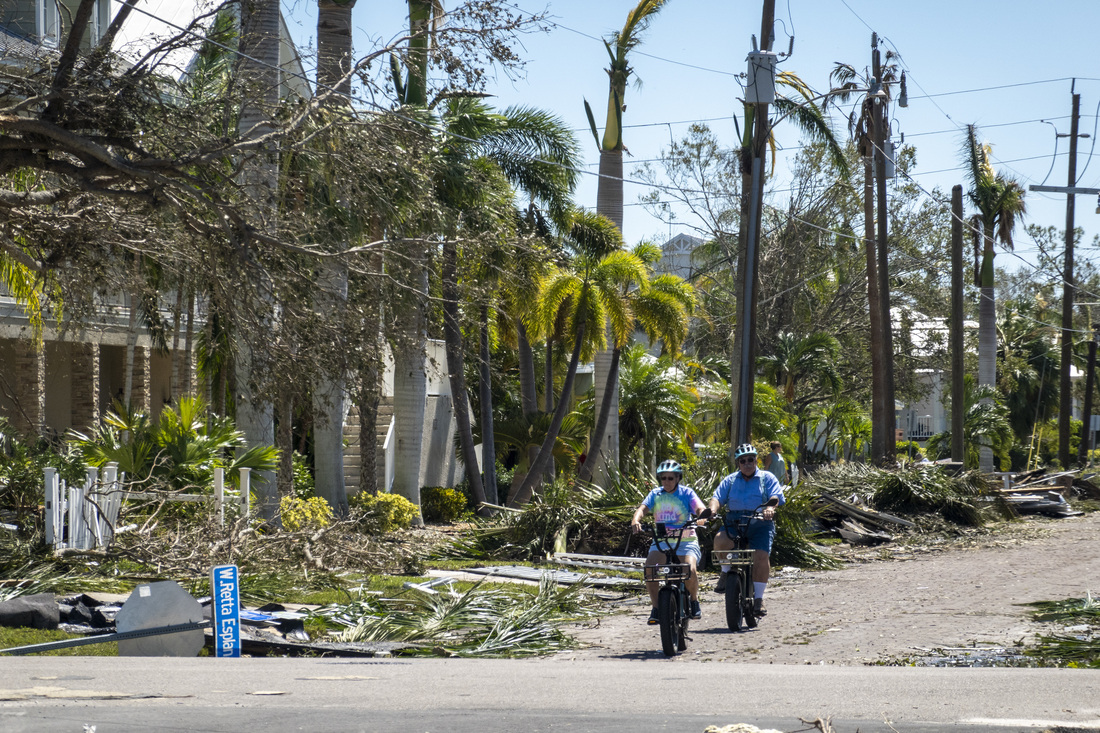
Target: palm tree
661 306
985 424
334 50
656 406
1000 201
609 194
797 361
861 126
259 71
578 297
1028 368
484 153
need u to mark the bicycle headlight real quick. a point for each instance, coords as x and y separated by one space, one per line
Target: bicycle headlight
729 555
665 571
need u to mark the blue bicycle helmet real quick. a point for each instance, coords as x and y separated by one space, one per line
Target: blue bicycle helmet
670 466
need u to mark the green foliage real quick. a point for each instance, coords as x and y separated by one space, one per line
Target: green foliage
792 544
304 514
479 622
1077 650
910 449
180 452
21 472
390 511
303 478
914 489
560 518
442 504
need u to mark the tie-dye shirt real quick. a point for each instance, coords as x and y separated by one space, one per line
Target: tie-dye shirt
674 508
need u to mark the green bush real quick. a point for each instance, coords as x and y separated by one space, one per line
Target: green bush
441 504
391 511
303 477
909 449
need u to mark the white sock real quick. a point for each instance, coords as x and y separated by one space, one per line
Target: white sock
758 588
726 568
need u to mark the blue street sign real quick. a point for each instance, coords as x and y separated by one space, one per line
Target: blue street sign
226 605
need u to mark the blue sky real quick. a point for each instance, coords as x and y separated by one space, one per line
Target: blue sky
1004 65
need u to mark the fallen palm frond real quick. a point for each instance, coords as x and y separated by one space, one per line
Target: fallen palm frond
792 546
1072 610
1080 615
558 520
912 489
481 621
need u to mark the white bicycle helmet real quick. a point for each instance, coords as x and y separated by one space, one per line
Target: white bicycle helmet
745 449
670 466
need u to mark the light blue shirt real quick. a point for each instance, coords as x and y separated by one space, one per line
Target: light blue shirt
739 494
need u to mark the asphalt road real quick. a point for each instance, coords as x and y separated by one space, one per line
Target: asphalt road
435 695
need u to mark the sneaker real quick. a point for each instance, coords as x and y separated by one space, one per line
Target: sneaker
758 607
721 587
653 620
696 611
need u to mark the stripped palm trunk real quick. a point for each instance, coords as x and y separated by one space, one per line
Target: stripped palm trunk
878 419
334 49
987 341
260 76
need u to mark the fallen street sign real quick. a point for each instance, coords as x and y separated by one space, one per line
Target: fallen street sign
225 602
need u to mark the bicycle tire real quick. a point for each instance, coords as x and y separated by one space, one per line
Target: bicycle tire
750 611
734 599
666 616
685 618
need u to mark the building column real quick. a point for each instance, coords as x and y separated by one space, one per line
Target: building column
142 388
85 385
30 380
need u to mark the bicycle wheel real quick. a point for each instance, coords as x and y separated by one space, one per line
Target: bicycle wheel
667 611
750 611
734 599
685 617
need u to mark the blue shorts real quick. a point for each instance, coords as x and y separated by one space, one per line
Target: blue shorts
687 548
760 534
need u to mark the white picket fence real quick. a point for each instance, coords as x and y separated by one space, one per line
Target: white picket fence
85 517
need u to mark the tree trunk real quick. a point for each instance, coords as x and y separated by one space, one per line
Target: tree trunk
527 386
874 309
485 390
334 48
987 341
259 74
602 454
546 452
605 409
452 336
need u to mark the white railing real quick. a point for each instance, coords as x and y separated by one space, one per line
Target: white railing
389 450
85 517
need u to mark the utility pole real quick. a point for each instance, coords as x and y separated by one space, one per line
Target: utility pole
881 125
958 452
1065 396
746 341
